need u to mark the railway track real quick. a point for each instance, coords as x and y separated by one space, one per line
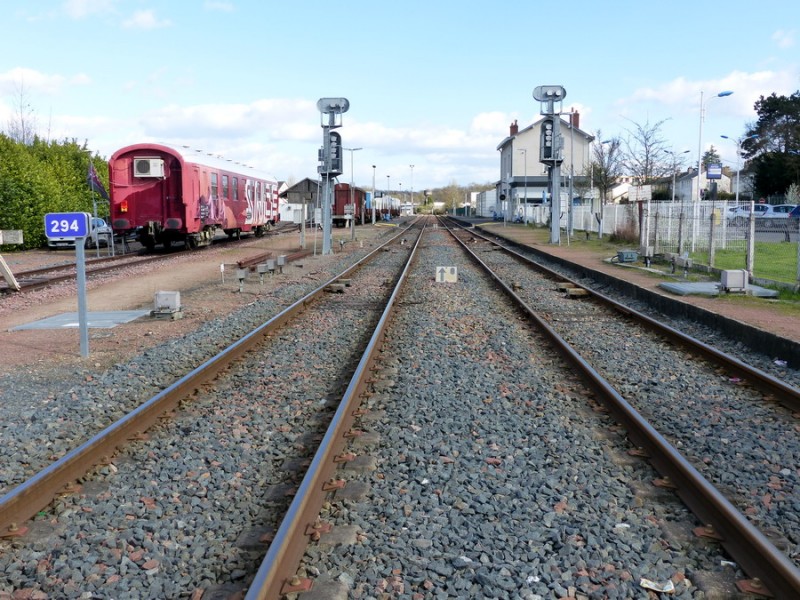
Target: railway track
41 277
772 572
299 402
438 491
35 279
743 396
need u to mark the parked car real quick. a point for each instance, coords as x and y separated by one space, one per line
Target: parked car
740 215
100 233
767 215
794 216
777 214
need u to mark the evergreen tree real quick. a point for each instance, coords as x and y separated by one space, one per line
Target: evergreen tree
772 144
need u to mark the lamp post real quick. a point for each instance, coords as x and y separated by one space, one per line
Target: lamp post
412 188
674 176
674 169
570 215
725 203
373 194
738 143
700 160
525 177
603 189
388 185
352 196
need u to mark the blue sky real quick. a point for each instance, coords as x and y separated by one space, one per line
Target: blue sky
432 83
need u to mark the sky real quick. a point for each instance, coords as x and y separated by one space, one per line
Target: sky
434 84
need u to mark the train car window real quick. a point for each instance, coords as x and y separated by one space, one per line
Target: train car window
258 191
235 184
225 186
214 186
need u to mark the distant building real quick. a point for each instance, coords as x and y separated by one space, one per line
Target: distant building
523 179
686 185
303 194
485 203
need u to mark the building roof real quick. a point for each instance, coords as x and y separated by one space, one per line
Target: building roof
565 125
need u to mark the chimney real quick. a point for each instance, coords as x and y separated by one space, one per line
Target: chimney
514 129
576 119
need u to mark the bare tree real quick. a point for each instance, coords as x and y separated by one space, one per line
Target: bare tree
451 196
607 164
646 157
605 169
22 125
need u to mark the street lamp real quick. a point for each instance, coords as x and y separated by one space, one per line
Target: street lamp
738 157
603 192
672 207
373 194
352 196
700 160
674 169
412 188
525 177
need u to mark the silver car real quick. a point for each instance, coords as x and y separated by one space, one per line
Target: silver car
100 233
767 215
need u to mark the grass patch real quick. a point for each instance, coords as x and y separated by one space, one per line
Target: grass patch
775 261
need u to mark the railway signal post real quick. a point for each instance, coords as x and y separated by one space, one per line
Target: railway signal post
550 149
330 158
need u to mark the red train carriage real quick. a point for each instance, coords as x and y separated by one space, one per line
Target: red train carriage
345 204
171 194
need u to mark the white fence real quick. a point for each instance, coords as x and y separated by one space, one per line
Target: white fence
694 228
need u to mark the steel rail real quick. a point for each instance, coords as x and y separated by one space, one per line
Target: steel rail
26 286
277 574
750 548
25 500
787 395
67 266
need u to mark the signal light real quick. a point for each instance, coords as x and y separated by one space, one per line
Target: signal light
546 149
335 153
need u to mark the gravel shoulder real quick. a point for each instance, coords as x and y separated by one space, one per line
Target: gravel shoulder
196 275
778 317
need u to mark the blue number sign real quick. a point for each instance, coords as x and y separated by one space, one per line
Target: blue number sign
60 225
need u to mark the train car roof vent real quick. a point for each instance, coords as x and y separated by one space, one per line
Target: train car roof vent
148 167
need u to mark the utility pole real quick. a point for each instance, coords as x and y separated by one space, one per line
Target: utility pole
373 194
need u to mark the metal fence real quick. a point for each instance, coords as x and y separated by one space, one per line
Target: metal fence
705 231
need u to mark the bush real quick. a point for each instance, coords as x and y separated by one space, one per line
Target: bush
625 234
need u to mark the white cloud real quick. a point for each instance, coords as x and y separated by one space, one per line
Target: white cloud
269 120
681 95
80 9
21 79
784 39
145 19
490 122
